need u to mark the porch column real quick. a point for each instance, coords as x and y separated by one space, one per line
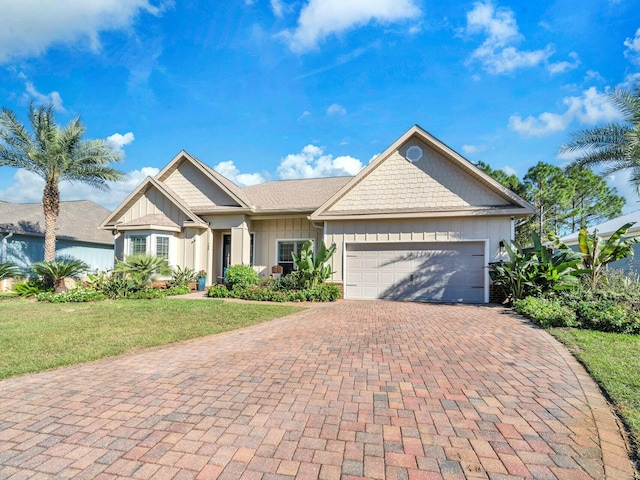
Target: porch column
240 245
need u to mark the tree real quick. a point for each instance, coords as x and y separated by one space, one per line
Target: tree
549 190
614 146
56 155
511 181
592 200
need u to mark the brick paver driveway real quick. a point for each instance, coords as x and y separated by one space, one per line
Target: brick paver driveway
350 390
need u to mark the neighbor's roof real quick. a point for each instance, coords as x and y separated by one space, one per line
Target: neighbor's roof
78 220
306 194
606 229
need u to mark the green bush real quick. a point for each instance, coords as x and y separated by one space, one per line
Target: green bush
240 276
51 272
181 290
76 295
181 277
142 268
546 312
31 288
605 316
218 291
325 292
114 285
9 270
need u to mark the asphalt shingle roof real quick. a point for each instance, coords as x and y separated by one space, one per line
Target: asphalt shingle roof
78 220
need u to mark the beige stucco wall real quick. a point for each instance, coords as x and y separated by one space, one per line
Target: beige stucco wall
493 229
267 232
431 182
195 189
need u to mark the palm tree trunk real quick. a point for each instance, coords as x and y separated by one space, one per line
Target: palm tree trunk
51 207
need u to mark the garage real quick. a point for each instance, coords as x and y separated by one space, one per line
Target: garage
425 271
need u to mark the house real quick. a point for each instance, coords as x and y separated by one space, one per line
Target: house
420 222
608 228
77 234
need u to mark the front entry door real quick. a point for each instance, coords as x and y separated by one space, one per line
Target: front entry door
226 252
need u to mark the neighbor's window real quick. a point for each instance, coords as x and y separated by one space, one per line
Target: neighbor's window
138 245
285 249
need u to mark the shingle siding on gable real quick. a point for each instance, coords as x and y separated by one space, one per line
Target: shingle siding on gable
431 182
195 189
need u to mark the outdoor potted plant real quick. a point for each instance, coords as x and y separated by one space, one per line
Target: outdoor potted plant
202 279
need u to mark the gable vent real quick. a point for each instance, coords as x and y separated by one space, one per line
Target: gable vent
414 153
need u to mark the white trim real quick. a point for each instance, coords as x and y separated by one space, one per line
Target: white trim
151 237
485 241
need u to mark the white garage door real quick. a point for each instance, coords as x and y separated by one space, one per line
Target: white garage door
441 272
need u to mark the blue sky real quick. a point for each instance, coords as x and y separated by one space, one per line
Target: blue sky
270 89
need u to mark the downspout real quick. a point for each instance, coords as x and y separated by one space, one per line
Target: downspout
3 250
209 260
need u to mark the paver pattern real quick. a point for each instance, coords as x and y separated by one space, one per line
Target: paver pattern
378 390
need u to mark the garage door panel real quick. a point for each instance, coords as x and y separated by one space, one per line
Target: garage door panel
438 271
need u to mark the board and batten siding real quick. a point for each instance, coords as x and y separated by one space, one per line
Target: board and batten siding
151 203
493 229
195 189
267 232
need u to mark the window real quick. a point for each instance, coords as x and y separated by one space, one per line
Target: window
152 244
162 247
285 250
137 245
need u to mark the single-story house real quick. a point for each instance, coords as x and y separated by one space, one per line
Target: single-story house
608 228
419 222
77 234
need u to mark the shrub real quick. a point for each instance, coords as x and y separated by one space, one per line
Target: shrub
52 272
147 293
181 277
113 286
605 316
218 291
143 268
180 290
325 292
75 295
240 276
31 287
9 270
546 312
312 270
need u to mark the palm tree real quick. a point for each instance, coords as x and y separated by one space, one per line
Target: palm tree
55 154
615 146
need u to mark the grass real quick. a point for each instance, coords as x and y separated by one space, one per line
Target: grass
613 360
37 336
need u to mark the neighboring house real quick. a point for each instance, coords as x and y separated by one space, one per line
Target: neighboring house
419 222
608 228
77 234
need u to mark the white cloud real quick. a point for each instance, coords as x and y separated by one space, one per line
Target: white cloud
30 27
473 149
229 170
509 170
28 188
118 141
630 82
320 19
498 53
593 76
277 7
336 109
589 109
633 48
52 98
565 66
312 162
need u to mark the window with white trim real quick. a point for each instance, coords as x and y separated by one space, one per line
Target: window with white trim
152 244
162 247
137 244
285 248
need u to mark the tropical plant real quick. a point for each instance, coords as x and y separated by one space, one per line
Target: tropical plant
534 271
55 154
180 277
142 268
240 276
597 253
614 146
30 288
9 270
53 272
312 270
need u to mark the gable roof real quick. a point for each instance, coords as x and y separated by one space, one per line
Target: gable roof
78 220
303 195
216 179
148 183
608 228
514 204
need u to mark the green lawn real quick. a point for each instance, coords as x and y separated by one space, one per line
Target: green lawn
36 336
614 362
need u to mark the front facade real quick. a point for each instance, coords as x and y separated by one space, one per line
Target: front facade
418 223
